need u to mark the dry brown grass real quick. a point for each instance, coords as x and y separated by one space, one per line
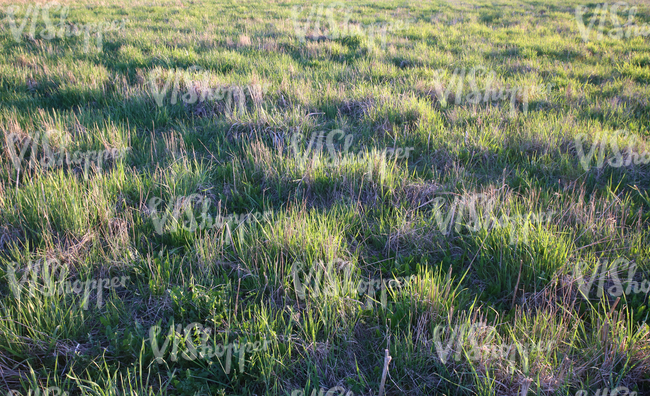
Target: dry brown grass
244 41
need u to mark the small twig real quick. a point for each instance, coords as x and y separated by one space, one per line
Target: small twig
387 360
514 297
237 298
525 386
477 252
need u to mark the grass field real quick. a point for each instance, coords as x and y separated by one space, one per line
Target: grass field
231 198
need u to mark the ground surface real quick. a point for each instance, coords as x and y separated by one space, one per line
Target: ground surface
490 245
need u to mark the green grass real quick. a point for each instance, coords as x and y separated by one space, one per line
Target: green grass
338 216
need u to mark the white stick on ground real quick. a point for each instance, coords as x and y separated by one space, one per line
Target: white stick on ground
387 360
